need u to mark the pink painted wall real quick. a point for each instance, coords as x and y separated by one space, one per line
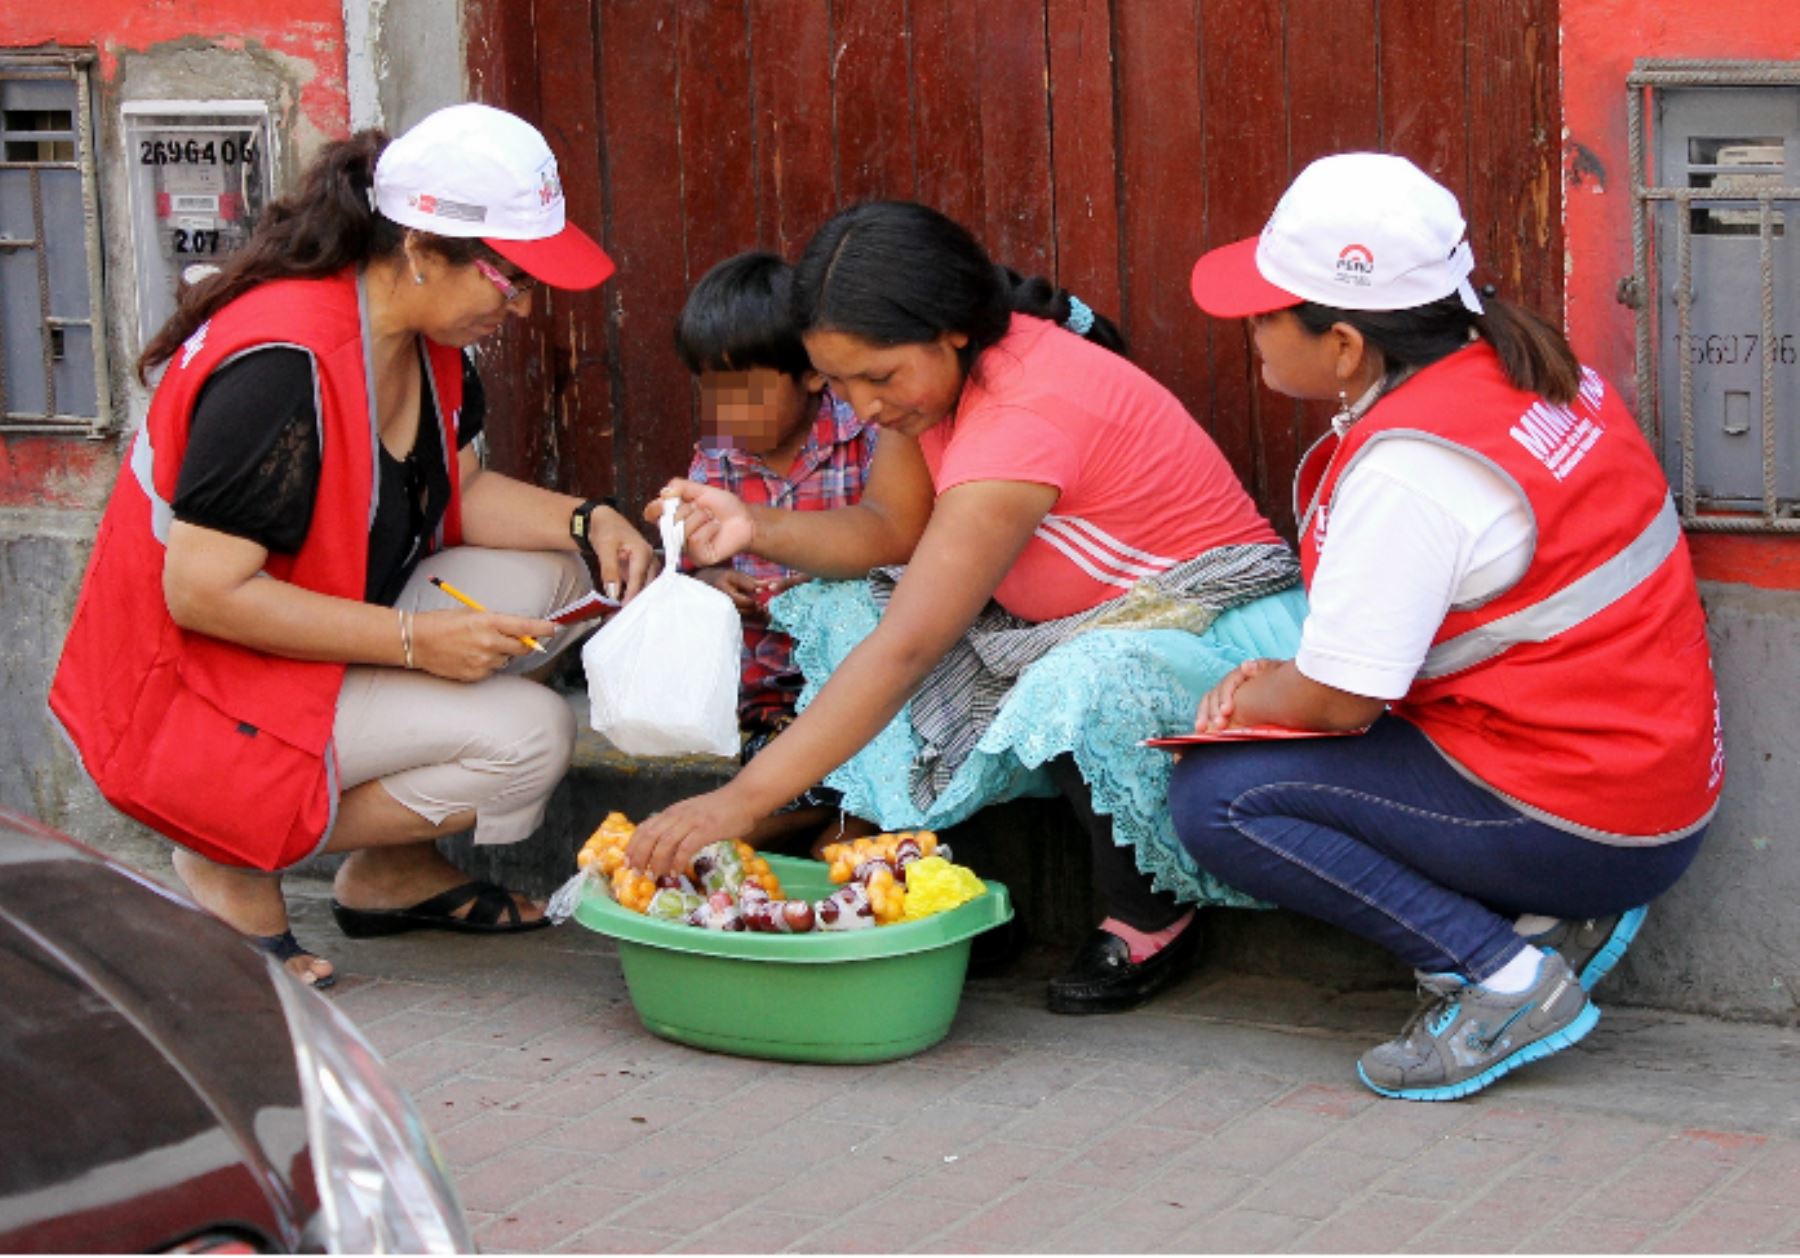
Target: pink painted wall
310 31
1601 39
62 471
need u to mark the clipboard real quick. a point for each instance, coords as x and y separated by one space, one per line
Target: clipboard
1243 734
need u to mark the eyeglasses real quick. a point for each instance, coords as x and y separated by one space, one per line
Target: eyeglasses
511 289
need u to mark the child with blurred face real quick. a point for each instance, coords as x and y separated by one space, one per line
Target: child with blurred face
773 434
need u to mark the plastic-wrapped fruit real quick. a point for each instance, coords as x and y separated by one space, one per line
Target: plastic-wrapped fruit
672 904
719 866
677 882
847 908
798 915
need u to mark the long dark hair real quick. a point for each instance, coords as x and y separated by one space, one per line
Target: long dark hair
1534 354
899 273
323 227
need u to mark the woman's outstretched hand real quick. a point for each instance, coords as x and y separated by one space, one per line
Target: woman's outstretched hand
1219 706
668 841
718 522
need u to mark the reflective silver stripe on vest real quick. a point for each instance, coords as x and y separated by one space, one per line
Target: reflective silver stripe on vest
143 466
1569 606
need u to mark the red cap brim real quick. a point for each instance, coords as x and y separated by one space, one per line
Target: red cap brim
569 259
1227 285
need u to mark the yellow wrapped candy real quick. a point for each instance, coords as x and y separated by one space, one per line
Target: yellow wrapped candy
934 885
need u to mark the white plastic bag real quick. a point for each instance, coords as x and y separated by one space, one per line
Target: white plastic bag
663 674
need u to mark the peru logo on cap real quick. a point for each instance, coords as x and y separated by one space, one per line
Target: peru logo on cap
1355 265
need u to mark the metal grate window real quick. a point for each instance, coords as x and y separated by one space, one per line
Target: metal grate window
1715 159
53 375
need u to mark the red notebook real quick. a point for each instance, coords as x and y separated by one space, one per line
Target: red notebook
1243 734
587 607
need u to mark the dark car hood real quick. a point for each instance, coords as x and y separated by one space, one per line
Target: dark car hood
148 1078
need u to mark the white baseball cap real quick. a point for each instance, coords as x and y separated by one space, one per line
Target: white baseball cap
475 171
1356 231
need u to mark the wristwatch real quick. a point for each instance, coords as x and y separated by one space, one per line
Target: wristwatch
580 522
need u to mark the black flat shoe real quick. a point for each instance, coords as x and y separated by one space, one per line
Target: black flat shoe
1103 979
491 912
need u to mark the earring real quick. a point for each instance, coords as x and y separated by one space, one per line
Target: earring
417 278
1341 421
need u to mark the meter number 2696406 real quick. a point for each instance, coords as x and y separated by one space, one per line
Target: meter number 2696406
195 152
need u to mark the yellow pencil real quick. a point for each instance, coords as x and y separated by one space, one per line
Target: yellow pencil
473 606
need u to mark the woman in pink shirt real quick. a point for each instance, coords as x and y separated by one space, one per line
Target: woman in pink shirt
1081 564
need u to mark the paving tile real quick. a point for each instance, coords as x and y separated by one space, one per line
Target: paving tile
365 1000
1659 1186
751 1232
1729 1227
1072 1117
1122 1158
696 1202
1458 1166
607 1239
462 1097
1377 1224
1318 1184
489 1134
511 1177
1770 1177
984 1173
523 1020
964 1056
1027 1080
545 1221
1498 1211
1328 1100
1024 1216
435 1061
615 1126
1596 1147
1399 1129
1100 1236
947 1129
1240 1232
897 1095
1501 1122
1176 1199
1214 1098
1589 1236
659 1159
403 1030
580 1092
800 1144
1256 1145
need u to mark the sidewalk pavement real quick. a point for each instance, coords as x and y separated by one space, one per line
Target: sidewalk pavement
1224 1117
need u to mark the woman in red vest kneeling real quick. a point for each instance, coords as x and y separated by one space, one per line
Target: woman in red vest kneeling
260 665
1502 616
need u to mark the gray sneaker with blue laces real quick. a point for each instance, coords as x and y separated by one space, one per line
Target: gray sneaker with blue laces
1464 1036
1594 945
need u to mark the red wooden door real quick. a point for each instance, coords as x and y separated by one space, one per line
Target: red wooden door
1106 143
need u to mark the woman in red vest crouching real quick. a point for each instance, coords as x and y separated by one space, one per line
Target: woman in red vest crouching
259 665
1501 594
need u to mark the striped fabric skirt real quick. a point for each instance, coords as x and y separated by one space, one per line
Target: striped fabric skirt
1095 697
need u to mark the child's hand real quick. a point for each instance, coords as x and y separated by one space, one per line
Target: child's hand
768 589
740 587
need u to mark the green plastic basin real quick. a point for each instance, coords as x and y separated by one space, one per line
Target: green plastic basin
831 996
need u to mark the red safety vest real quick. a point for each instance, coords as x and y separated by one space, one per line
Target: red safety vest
224 749
1584 693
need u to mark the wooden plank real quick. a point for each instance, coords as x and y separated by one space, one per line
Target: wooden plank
1084 149
1514 207
871 100
1017 225
502 53
1422 68
1244 102
946 75
654 429
1334 106
717 161
576 344
790 54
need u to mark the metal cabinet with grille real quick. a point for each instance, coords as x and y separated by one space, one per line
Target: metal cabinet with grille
52 342
1718 241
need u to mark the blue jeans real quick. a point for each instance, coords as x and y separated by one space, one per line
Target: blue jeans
1377 833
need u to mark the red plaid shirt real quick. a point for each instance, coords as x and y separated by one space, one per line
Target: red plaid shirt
830 471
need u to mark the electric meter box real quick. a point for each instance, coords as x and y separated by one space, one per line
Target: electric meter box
1726 140
200 177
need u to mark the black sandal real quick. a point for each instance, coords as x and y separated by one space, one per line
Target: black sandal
492 911
284 948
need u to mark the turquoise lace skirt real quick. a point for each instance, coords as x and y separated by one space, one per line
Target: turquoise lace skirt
1095 696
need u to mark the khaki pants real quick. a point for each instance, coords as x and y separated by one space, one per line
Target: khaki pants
497 747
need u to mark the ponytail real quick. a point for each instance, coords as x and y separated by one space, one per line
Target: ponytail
328 224
899 273
1534 354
